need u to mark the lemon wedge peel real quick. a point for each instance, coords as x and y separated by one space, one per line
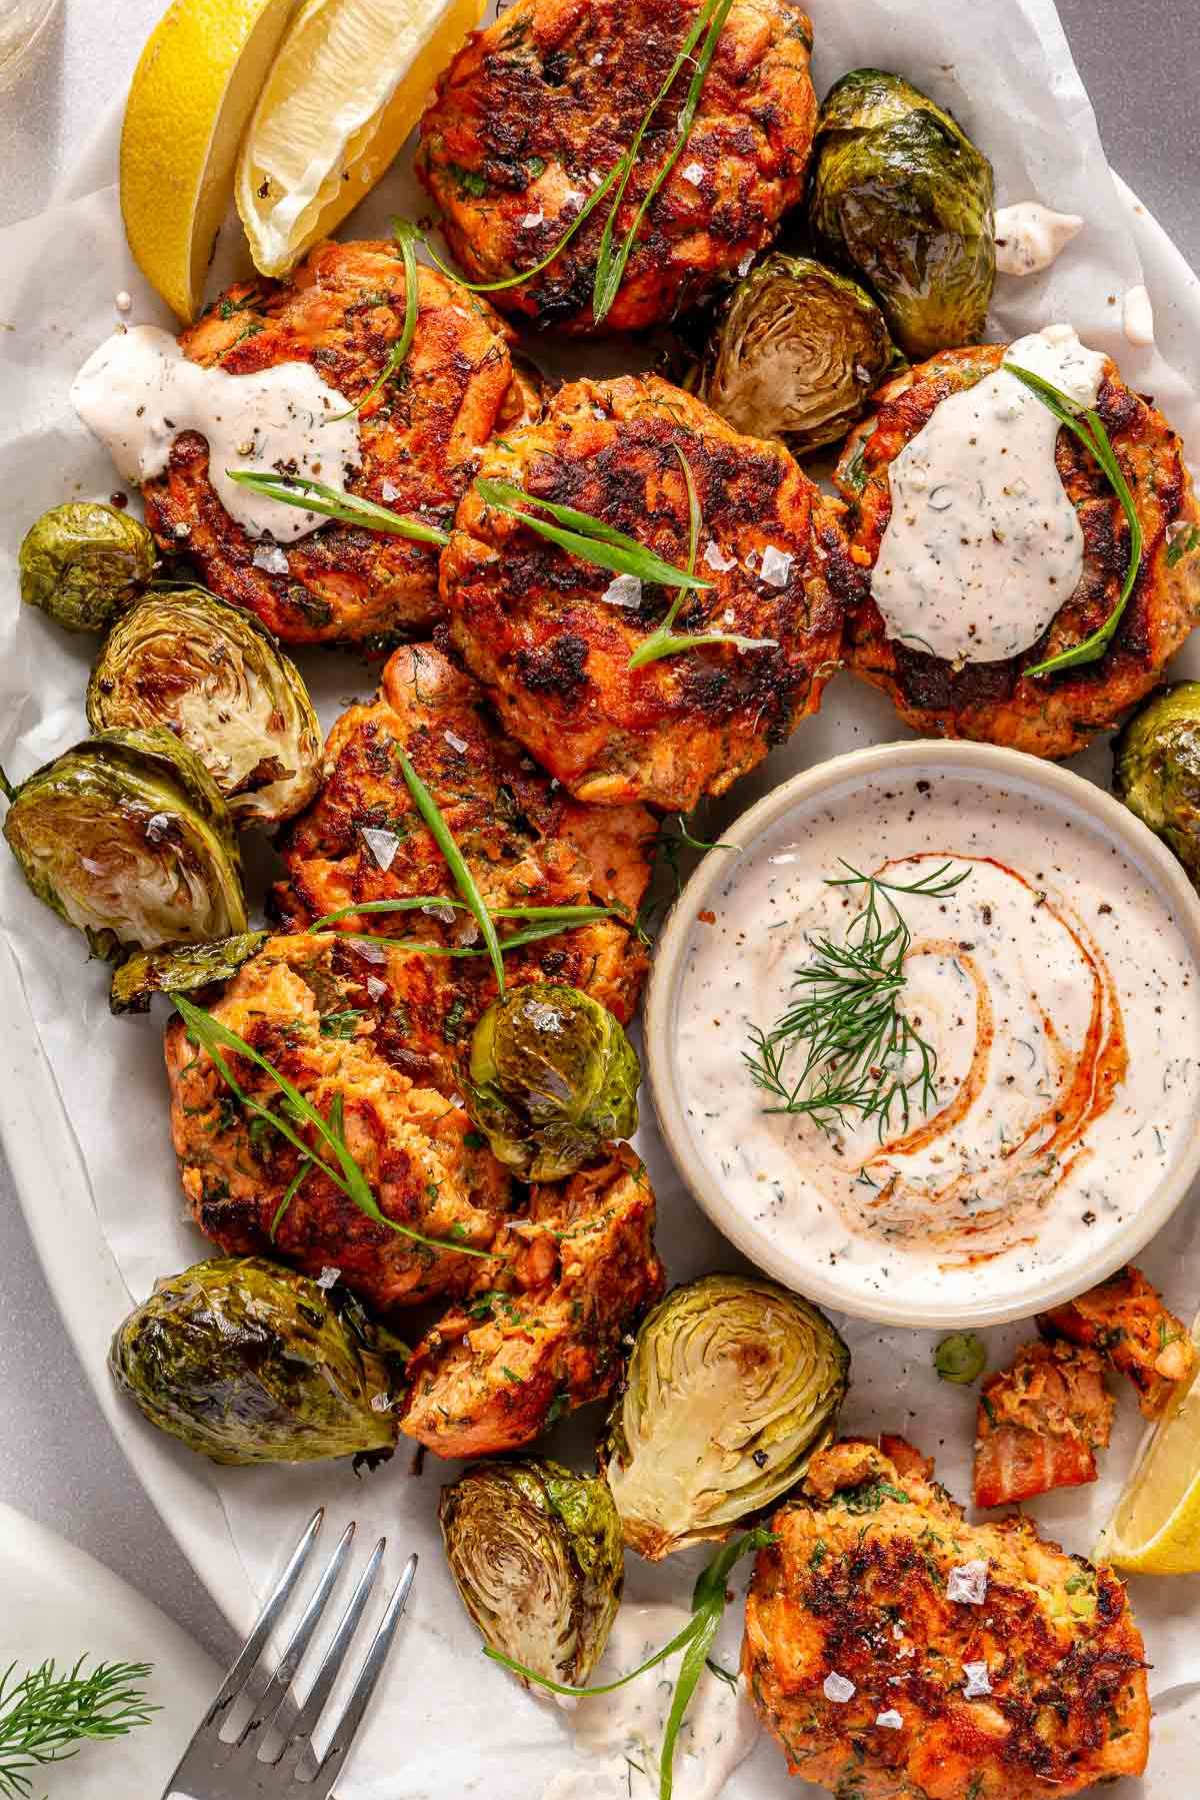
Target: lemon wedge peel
349 84
1155 1528
192 93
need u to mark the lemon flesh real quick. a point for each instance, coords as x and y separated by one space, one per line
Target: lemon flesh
192 92
1156 1527
351 80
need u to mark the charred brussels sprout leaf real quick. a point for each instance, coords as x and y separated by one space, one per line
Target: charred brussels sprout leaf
185 660
796 354
1156 769
83 562
126 837
733 1384
552 1077
537 1557
901 196
247 1362
179 970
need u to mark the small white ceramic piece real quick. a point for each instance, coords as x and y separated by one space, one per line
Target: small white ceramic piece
59 1603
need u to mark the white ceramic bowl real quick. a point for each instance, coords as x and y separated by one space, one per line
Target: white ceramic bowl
1011 1297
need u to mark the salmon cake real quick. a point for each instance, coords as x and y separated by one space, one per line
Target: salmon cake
551 636
998 702
420 435
536 112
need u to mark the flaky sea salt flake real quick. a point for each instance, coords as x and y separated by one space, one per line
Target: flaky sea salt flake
776 566
978 1680
838 1689
383 846
890 1720
968 1584
623 590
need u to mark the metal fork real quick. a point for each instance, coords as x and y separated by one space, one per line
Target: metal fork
213 1769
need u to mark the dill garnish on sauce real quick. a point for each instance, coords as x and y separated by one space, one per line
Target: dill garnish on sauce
846 1046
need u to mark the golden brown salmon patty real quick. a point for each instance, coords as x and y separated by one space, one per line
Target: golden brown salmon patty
526 842
1054 715
532 621
421 435
896 1651
536 111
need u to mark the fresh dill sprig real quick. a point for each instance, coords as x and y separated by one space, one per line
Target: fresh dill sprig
46 1717
859 1047
1089 428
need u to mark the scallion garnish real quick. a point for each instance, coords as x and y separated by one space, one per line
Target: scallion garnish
1089 428
665 641
856 1040
610 265
694 1640
562 915
585 536
213 1036
408 237
336 503
464 881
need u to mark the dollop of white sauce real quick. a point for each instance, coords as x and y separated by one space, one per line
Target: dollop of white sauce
1055 986
1030 238
984 546
1138 318
138 392
620 1734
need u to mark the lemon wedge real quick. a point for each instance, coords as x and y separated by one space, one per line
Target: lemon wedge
1155 1529
191 95
350 82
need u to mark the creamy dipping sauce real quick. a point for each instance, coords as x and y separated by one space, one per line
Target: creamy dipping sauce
1031 238
1057 990
138 392
619 1735
984 546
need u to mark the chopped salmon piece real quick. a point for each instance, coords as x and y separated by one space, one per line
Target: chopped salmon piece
1041 1422
1125 1320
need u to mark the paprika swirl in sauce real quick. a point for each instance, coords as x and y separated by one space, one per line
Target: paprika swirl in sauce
1056 987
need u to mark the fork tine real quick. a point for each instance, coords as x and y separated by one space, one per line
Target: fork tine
368 1678
278 1598
273 1694
314 1705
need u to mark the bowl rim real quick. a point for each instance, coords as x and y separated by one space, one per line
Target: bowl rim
1003 765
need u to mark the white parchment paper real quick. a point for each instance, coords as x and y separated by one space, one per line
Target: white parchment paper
448 1724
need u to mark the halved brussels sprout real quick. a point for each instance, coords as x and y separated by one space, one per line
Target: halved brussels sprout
536 1555
83 562
179 970
185 660
902 197
732 1385
796 354
552 1077
126 837
1156 769
247 1362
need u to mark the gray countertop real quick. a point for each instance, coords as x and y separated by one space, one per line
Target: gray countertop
1141 61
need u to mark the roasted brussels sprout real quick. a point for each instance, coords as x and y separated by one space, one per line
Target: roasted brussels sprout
537 1557
126 836
185 660
1156 769
552 1077
83 562
179 970
732 1385
247 1362
901 197
796 354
